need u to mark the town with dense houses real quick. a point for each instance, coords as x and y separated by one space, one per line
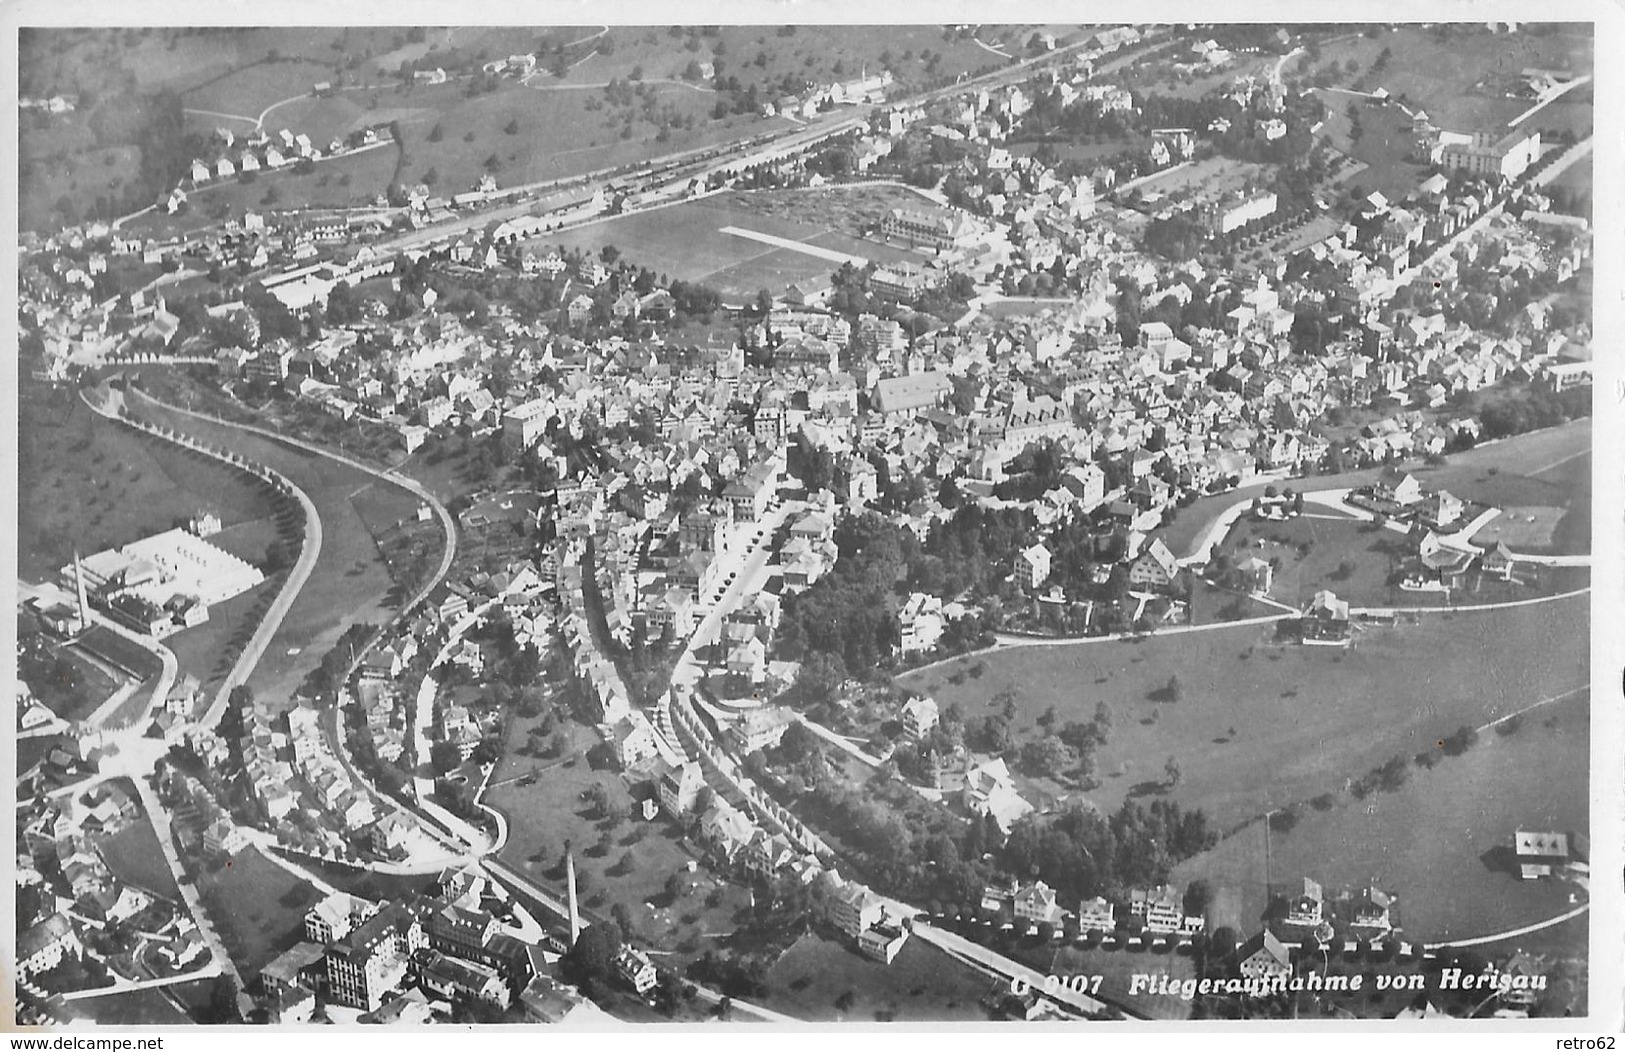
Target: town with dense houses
1093 478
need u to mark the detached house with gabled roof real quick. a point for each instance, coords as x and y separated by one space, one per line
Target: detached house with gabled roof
1264 958
1308 907
1370 913
1156 567
1326 622
1032 565
919 716
680 787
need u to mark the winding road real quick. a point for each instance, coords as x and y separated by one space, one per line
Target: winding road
271 623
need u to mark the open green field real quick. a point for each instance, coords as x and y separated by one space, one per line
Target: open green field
240 76
202 650
685 241
1557 492
847 208
257 907
1461 73
1433 842
922 985
247 540
1305 719
90 484
134 856
560 130
137 1008
90 156
353 179
1117 968
763 55
350 582
95 683
1384 147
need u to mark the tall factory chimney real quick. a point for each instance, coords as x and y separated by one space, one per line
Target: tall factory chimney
79 584
570 880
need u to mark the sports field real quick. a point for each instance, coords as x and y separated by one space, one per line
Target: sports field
1263 725
687 242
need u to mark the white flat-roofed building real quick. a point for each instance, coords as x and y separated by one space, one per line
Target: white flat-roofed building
165 565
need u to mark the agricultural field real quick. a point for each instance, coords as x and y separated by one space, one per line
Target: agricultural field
824 981
1444 72
686 242
1259 724
354 179
91 484
1442 68
764 56
1456 818
257 907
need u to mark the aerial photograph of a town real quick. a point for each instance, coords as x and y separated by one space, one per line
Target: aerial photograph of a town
803 524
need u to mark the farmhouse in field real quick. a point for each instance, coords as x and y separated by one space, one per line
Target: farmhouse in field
1546 854
1326 622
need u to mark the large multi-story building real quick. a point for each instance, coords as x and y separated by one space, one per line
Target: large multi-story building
680 787
906 281
523 425
1224 216
854 908
750 493
1506 157
369 962
760 728
935 228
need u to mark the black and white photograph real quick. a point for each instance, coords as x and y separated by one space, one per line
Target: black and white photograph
811 524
